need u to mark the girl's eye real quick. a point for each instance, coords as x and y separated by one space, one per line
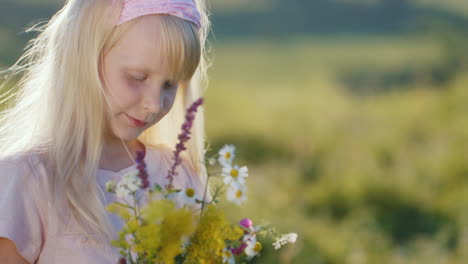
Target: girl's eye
169 85
139 78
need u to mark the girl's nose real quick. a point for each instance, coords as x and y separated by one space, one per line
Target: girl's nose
153 102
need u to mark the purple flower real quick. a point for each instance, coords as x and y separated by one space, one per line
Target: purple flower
246 222
183 137
142 173
239 250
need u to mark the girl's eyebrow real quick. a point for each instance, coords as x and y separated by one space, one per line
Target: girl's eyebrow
137 64
148 72
145 70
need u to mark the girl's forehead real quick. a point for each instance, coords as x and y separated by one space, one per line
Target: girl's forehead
149 26
141 45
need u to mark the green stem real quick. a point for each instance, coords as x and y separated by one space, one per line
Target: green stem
130 257
124 205
204 195
136 211
136 208
216 194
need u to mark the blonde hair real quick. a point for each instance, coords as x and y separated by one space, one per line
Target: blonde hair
59 100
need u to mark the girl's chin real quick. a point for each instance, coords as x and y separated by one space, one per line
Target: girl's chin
127 133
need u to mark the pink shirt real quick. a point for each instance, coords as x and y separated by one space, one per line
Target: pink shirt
23 217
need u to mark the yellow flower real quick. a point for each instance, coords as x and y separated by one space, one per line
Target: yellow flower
208 242
160 233
176 226
121 211
149 234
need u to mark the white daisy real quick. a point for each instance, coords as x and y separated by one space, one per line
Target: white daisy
132 181
188 196
237 194
226 155
249 237
253 248
129 184
122 191
110 186
288 238
233 175
228 257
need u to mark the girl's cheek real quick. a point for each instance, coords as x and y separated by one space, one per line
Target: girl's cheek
129 91
168 101
129 82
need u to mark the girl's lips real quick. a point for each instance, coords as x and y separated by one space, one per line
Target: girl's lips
136 122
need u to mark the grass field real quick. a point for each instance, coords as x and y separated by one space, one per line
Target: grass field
377 179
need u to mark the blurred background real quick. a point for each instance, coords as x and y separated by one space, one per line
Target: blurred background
352 116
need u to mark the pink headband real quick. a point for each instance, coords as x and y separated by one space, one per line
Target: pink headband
185 9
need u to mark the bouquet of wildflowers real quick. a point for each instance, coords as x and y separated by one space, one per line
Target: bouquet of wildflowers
159 231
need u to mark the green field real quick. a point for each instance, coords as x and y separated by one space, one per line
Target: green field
363 179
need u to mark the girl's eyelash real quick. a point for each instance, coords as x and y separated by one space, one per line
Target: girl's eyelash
168 85
139 79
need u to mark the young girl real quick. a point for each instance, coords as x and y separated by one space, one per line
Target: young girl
103 80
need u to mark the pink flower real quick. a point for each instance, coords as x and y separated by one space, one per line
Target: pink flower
239 250
246 222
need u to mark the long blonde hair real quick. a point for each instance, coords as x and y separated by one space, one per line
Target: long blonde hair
58 109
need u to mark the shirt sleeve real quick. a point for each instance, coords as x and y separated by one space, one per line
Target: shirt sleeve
21 219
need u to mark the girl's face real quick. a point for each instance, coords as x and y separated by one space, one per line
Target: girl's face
136 80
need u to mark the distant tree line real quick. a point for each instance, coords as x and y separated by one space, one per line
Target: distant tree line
317 17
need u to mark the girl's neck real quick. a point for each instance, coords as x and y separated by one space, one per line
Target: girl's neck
117 156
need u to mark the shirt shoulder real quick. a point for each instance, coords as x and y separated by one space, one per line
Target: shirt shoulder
23 219
28 169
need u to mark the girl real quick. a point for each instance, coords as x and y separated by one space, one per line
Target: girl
103 80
